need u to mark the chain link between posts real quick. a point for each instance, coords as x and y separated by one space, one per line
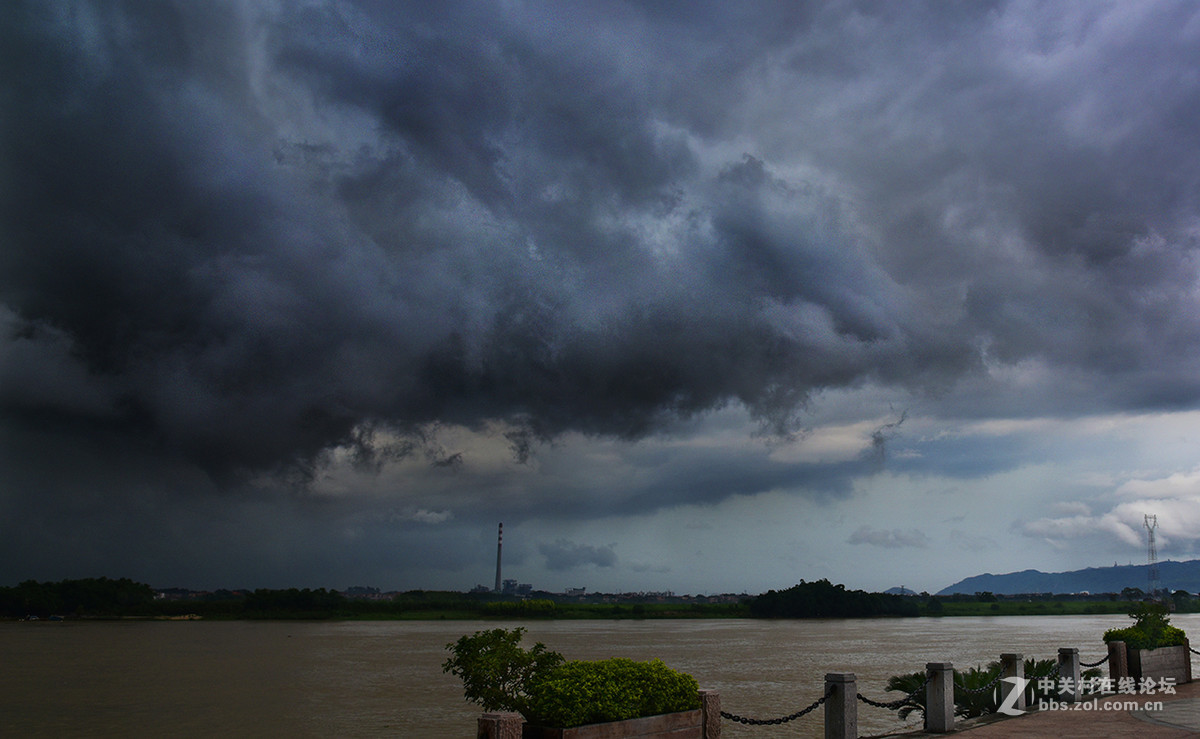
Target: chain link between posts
908 700
989 686
1054 671
781 720
1097 664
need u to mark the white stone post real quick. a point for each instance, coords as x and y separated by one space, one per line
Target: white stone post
841 707
1012 665
1068 672
939 698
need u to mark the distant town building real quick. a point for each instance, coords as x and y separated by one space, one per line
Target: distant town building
512 587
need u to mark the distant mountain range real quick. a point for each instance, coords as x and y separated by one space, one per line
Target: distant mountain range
1172 576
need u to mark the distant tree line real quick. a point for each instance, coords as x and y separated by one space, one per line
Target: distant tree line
91 596
822 599
293 603
124 598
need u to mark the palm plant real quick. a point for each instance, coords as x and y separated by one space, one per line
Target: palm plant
971 697
912 685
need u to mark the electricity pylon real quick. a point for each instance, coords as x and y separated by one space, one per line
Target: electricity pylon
1151 523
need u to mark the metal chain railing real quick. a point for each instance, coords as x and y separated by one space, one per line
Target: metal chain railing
908 700
982 688
1193 651
780 720
891 705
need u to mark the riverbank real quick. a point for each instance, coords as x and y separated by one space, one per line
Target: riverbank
564 612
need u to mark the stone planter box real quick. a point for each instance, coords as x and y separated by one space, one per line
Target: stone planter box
702 723
682 725
1169 662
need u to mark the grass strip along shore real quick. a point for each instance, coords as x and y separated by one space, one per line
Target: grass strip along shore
124 598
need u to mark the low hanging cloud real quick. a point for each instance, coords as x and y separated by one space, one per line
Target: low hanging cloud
565 555
889 538
424 516
1172 501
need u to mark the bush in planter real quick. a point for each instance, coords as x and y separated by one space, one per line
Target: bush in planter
540 685
577 693
1151 629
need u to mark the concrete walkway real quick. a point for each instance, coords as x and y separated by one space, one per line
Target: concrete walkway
1178 717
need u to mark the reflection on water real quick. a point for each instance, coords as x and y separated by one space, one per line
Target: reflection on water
360 678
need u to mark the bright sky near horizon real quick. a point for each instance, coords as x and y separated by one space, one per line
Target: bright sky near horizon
695 296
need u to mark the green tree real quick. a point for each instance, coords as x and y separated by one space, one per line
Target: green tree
823 599
497 673
1182 600
90 596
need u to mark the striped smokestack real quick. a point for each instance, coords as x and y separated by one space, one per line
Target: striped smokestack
499 544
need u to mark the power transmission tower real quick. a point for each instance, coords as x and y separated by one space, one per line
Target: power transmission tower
1151 523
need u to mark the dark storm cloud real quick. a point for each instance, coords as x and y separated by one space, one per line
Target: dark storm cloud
245 235
1019 154
250 298
565 555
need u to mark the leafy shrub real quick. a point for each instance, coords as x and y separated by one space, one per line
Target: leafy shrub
1151 629
496 672
577 693
1035 670
969 704
912 683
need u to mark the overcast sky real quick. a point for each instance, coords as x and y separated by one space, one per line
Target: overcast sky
703 297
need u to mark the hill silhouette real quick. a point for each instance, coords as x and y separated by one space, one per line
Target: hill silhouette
1172 576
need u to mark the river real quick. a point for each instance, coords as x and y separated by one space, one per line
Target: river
384 678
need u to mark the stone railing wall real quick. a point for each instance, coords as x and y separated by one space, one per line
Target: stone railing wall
841 699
